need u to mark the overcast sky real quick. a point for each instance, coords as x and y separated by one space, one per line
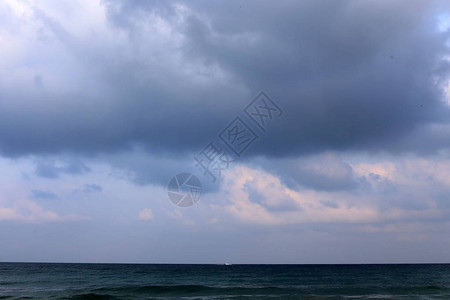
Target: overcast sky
102 102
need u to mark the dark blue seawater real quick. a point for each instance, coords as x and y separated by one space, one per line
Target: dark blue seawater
127 281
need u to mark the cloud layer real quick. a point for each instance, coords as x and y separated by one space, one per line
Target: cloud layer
170 75
102 102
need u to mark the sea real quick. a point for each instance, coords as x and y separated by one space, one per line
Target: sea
172 281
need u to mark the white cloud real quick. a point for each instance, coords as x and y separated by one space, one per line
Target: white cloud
145 215
30 212
400 190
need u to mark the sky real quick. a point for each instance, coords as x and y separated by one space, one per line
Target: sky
344 108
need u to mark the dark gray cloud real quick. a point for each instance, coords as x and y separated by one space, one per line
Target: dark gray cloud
350 75
52 169
325 172
39 194
143 169
92 188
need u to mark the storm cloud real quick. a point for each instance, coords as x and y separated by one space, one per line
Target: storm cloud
167 76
